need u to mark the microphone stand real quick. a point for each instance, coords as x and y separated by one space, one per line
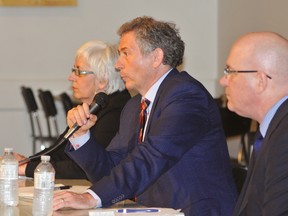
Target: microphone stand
60 140
99 102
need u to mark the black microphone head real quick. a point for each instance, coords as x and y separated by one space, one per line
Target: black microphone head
101 99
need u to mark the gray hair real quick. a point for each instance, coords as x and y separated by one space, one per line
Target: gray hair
101 58
151 34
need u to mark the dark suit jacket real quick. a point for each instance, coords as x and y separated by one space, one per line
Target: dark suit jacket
105 129
265 191
183 162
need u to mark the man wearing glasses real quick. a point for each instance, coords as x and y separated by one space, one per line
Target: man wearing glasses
256 86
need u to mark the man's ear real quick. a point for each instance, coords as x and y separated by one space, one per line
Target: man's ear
158 56
262 81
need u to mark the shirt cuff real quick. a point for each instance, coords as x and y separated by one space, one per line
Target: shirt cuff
78 142
96 197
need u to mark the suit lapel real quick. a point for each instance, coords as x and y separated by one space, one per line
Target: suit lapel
243 198
157 98
280 113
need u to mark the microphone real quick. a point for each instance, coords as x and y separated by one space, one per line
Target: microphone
100 101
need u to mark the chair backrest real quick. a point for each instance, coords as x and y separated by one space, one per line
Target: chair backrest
234 124
48 103
66 102
32 109
49 108
29 99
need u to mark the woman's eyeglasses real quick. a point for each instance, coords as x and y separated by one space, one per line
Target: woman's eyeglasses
79 72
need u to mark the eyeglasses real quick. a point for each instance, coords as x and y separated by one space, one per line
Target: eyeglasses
79 72
227 71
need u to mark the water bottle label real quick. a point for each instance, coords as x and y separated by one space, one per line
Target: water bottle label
9 171
44 180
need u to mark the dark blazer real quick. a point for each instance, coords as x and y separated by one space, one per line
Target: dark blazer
183 162
265 191
105 129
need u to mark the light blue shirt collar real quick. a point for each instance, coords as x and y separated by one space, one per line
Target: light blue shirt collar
263 127
151 93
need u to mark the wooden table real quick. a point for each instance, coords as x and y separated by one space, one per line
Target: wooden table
24 207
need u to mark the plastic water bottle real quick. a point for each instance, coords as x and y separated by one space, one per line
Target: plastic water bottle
9 210
9 178
44 176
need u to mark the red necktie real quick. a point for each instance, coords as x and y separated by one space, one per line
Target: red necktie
143 117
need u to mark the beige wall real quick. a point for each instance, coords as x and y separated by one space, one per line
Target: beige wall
38 44
237 17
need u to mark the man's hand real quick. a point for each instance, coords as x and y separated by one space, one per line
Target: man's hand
81 115
22 169
64 199
19 157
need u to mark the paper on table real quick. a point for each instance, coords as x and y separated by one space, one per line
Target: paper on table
114 212
27 192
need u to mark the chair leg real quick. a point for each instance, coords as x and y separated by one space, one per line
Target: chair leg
56 127
34 145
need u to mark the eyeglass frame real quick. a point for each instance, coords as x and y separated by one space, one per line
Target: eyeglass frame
228 71
79 72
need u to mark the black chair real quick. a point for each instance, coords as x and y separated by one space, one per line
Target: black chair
49 108
33 111
239 173
235 125
66 102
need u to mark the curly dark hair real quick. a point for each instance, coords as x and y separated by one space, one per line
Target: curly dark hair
152 34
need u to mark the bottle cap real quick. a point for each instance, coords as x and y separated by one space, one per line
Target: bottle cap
8 149
45 158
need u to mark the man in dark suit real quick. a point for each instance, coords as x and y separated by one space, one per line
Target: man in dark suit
182 160
256 86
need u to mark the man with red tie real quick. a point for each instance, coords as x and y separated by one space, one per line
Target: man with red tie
181 160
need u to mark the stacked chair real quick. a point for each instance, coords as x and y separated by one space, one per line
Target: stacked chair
49 108
66 102
33 112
